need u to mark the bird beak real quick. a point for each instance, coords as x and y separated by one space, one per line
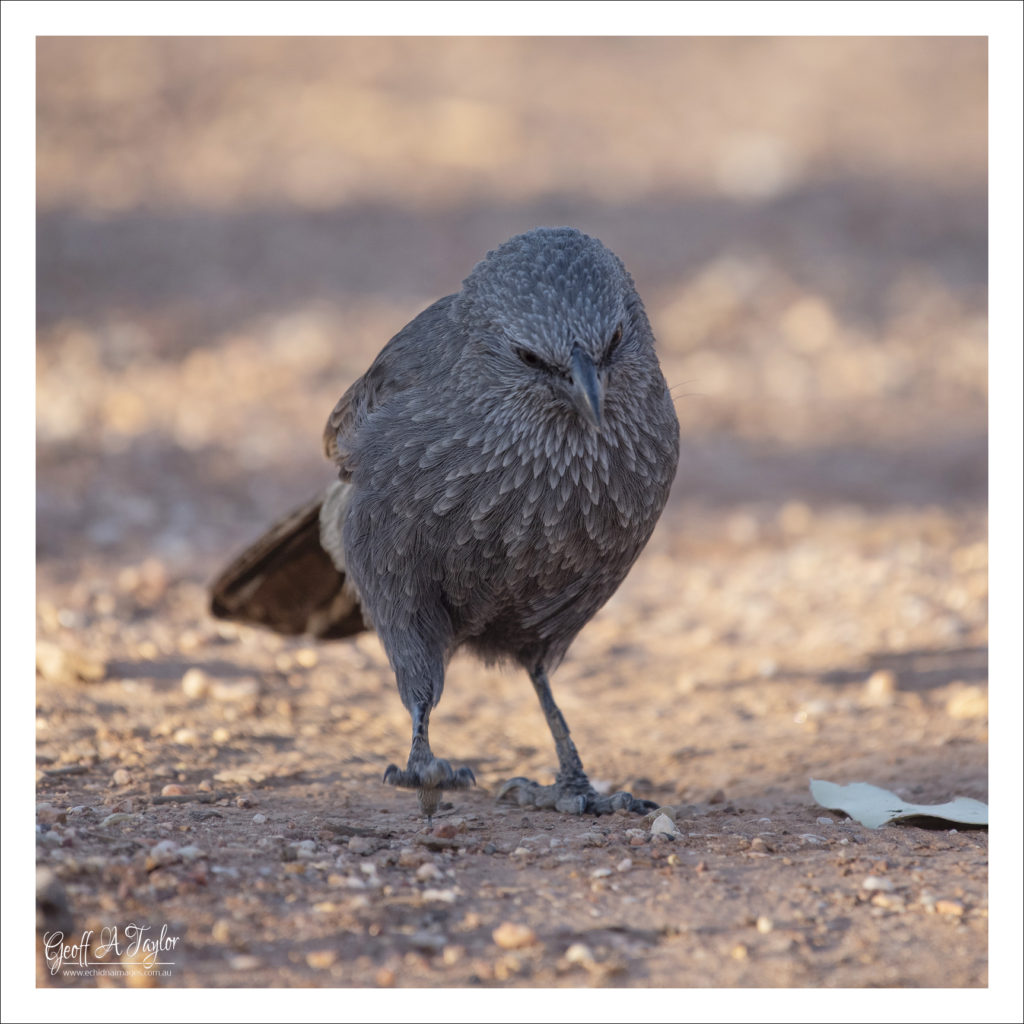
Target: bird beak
588 391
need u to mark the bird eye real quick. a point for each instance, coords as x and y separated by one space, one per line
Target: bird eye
531 359
613 344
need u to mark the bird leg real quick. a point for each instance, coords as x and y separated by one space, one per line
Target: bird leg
572 792
427 774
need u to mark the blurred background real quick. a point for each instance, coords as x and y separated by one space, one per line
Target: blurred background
230 229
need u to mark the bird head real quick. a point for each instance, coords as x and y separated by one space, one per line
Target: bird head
557 313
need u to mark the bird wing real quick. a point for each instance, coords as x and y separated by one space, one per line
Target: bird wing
400 365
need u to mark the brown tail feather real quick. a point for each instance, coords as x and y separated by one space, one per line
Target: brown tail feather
287 582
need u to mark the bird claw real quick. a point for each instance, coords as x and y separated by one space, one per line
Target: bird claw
429 779
570 799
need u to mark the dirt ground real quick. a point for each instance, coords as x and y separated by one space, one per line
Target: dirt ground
228 231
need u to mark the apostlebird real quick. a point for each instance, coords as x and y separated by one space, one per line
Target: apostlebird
501 465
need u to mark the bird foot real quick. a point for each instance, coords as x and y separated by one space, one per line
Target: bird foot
574 797
429 777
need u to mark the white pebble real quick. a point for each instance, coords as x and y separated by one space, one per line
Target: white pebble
664 825
439 895
164 852
578 953
624 865
238 689
259 819
875 883
195 682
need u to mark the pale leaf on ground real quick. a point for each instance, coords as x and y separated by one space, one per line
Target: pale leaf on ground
873 806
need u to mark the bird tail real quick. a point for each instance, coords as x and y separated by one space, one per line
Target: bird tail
293 580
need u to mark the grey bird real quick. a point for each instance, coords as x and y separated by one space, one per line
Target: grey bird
501 465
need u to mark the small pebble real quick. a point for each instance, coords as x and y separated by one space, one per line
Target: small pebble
259 819
57 665
625 864
887 901
385 978
513 936
428 872
321 959
954 908
409 857
765 924
361 845
195 683
579 953
739 952
186 737
439 895
663 825
121 777
971 702
163 853
507 966
600 872
306 657
245 962
427 942
873 883
880 688
235 690
173 789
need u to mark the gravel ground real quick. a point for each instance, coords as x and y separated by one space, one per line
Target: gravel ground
228 231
